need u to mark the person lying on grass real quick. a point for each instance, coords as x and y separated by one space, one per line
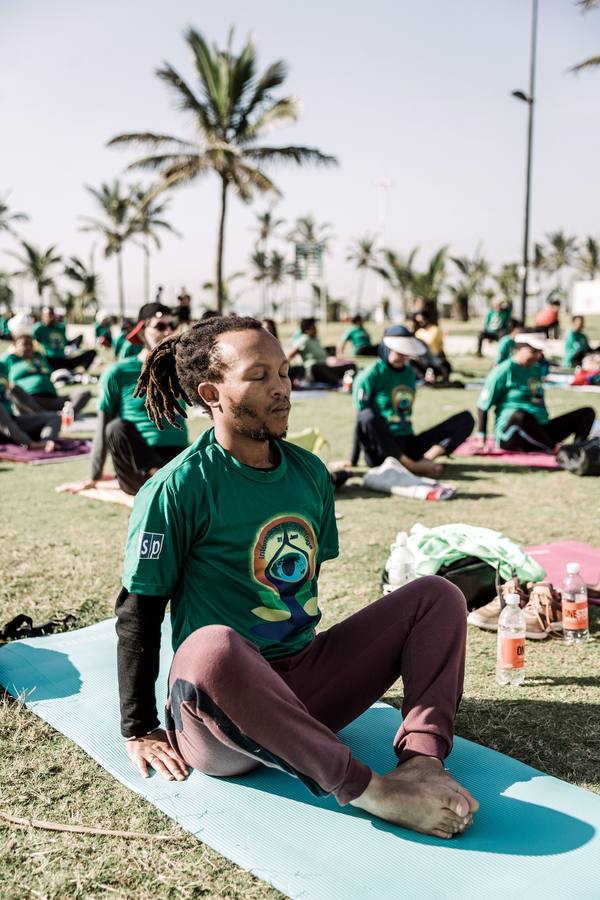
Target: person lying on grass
138 448
515 391
384 395
233 532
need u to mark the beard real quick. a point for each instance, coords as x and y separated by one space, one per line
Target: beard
256 432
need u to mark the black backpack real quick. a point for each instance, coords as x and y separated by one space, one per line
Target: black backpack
580 457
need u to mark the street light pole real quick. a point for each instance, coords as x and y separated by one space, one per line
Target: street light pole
530 100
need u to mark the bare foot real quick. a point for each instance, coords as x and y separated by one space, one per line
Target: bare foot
47 446
425 467
428 806
429 768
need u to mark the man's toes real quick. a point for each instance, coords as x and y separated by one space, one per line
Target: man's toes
437 832
457 804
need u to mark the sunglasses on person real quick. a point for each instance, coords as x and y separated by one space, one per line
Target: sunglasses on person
162 326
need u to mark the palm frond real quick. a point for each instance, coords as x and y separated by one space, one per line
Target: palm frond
298 155
590 63
185 99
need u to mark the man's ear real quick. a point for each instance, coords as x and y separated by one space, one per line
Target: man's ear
209 394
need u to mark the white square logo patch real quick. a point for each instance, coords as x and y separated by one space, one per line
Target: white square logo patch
150 545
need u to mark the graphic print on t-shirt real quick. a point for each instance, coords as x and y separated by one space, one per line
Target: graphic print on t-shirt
402 401
536 389
283 560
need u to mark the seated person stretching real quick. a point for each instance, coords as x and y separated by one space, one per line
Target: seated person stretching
359 338
34 430
514 389
30 371
384 394
431 335
577 344
495 324
138 447
241 524
52 336
314 356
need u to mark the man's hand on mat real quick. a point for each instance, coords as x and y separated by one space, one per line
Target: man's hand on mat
154 750
73 487
422 796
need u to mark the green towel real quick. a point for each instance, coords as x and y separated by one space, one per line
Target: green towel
436 547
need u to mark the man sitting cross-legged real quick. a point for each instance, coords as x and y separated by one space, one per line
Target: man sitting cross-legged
137 446
233 533
384 395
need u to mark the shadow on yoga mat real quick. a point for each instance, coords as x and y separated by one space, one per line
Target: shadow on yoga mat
532 835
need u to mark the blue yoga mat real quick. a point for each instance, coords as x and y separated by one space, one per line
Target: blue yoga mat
535 836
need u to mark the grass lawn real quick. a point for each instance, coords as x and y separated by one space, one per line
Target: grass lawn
63 553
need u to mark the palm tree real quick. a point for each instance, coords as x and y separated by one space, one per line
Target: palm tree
558 254
508 281
259 261
277 273
36 265
116 228
473 273
7 294
399 272
588 258
363 254
229 297
413 284
268 227
7 218
232 109
307 231
592 61
88 283
146 219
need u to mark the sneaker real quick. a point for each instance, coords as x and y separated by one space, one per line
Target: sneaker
487 616
543 613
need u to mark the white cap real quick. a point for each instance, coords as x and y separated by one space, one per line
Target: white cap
512 599
535 341
20 324
573 568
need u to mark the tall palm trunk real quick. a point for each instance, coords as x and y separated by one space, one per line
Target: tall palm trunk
120 284
220 288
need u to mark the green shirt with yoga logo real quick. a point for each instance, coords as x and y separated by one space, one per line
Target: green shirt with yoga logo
53 338
31 375
4 389
233 545
496 319
358 336
388 391
115 398
510 387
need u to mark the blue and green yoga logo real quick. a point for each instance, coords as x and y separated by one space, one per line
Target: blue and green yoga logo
402 401
283 560
536 389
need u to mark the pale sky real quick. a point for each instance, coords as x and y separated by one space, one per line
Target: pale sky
417 92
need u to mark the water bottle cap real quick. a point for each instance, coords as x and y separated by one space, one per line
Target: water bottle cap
512 600
573 568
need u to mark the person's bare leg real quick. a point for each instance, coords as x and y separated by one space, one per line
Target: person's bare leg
423 466
429 804
435 452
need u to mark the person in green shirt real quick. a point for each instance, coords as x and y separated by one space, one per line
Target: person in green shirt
36 430
234 533
359 338
506 344
138 447
315 357
5 334
103 330
496 323
577 344
384 395
52 336
124 349
31 372
514 389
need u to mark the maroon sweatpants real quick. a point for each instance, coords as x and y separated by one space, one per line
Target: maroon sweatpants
230 709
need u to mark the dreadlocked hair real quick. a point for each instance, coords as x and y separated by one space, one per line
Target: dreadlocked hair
176 366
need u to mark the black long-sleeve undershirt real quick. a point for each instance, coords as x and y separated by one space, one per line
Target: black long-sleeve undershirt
139 620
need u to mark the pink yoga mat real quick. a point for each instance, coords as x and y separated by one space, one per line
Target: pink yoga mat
555 556
66 450
535 460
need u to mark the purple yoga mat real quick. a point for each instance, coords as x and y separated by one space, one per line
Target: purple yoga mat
512 458
555 556
66 450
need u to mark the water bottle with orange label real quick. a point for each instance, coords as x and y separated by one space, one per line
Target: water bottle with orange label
574 606
510 661
67 415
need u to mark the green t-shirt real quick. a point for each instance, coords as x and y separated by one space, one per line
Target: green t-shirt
311 351
102 331
509 387
232 545
359 337
4 389
506 345
496 319
115 398
124 349
4 329
53 338
575 342
31 375
388 391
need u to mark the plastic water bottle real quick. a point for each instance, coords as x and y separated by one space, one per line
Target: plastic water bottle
510 661
347 381
401 563
67 415
574 606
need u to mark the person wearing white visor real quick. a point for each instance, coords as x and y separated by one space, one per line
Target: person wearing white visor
384 395
514 389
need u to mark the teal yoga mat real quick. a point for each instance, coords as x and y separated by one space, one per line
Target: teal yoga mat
535 836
